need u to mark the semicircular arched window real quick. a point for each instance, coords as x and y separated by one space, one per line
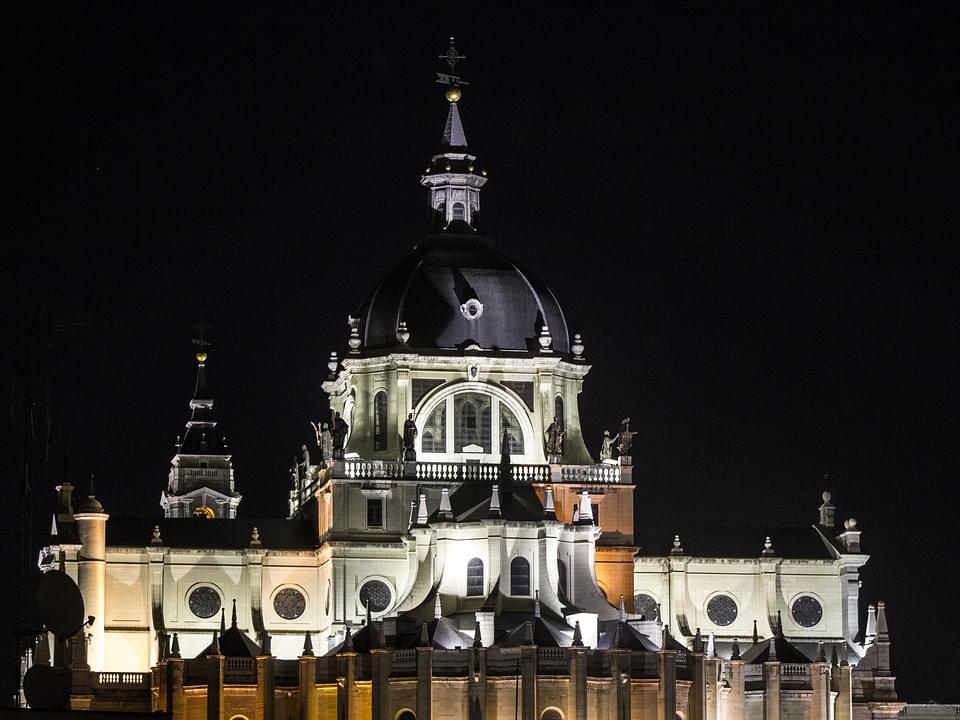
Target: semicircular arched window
520 576
509 422
475 577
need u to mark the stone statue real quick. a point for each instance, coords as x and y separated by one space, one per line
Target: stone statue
303 465
409 438
554 445
326 443
607 446
625 438
339 434
295 475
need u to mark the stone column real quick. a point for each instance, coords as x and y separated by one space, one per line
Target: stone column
424 682
620 673
667 689
735 699
92 575
698 701
175 703
477 681
820 684
712 673
265 683
215 687
843 705
771 695
577 693
380 683
347 689
528 681
308 687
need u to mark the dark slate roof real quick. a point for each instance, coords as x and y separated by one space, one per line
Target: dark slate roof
471 503
427 288
234 643
786 652
732 542
547 632
212 534
441 632
624 636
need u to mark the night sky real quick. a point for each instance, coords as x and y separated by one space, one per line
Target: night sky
746 213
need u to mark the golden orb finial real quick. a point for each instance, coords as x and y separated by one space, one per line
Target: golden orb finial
201 357
452 94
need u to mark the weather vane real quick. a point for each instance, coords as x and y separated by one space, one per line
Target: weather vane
451 58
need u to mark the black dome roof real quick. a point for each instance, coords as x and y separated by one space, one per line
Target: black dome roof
427 289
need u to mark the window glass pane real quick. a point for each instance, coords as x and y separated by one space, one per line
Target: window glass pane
562 572
374 512
475 577
458 211
472 421
380 421
519 576
434 437
509 422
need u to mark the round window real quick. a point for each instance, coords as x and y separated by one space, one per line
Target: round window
375 594
645 605
471 309
807 611
722 610
289 603
204 602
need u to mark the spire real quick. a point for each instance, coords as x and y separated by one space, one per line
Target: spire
577 636
549 511
528 633
735 650
453 135
223 621
834 660
424 636
622 610
347 641
422 513
779 632
446 511
308 644
586 509
772 657
477 635
756 637
175 647
870 635
698 642
495 502
233 614
215 645
536 603
883 634
452 176
437 607
711 645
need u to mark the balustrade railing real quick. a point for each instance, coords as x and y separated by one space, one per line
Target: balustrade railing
590 474
795 670
119 680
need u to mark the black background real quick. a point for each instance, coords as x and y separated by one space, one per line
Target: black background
747 212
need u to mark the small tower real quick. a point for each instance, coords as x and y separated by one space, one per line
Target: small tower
453 176
200 483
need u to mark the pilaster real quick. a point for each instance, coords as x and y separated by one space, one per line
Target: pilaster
308 687
771 698
667 689
215 687
424 682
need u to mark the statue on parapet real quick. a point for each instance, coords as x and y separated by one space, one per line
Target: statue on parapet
409 439
607 446
339 435
625 439
303 464
554 443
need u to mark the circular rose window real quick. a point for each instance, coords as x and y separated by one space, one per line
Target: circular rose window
807 611
204 602
722 610
375 594
289 603
645 605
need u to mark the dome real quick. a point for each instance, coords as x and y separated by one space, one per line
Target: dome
455 292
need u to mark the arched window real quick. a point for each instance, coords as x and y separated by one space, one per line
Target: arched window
509 422
380 421
558 411
562 572
472 413
458 211
519 576
406 715
475 577
551 714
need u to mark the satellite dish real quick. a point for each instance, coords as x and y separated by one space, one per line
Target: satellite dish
46 688
61 604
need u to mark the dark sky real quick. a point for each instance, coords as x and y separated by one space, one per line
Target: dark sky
746 213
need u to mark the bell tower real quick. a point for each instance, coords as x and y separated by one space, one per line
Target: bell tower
200 483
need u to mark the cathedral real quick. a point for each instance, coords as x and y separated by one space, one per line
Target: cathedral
452 547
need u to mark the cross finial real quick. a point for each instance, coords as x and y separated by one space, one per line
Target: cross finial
452 57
